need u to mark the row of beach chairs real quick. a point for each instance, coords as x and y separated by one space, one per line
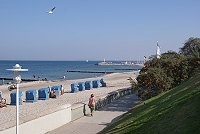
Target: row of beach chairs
51 92
43 94
88 85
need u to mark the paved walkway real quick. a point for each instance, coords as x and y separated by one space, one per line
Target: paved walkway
100 119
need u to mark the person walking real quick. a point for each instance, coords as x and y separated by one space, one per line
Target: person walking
91 103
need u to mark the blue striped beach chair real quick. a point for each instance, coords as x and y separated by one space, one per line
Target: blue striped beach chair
31 95
13 98
88 85
81 86
43 94
74 87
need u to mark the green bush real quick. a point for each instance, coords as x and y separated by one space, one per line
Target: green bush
170 70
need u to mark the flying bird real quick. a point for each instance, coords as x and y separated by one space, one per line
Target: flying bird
51 11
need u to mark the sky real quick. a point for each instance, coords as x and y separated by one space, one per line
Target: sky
95 29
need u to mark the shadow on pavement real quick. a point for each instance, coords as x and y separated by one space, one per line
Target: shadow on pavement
123 104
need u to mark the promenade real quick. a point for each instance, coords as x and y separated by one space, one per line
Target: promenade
102 117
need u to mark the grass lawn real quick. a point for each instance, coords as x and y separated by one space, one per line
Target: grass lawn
174 112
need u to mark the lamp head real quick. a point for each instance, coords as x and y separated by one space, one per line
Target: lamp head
17 79
17 66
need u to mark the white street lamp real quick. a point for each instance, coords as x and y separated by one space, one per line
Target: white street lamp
17 79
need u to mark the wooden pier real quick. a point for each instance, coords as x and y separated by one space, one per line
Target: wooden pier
27 80
8 80
100 72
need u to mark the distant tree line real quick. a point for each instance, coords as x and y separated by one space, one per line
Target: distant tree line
171 69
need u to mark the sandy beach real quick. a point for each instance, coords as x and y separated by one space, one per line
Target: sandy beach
30 111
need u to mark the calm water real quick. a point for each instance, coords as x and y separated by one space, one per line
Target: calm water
55 70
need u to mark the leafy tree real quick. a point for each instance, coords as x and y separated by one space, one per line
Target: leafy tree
191 47
174 66
170 70
193 65
152 82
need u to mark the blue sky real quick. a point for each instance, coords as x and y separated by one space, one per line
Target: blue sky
95 29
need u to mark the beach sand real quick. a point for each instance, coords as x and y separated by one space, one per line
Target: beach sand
30 111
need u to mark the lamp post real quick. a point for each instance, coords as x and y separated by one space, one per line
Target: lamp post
17 79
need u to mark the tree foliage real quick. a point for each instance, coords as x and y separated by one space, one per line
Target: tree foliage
191 47
152 82
170 70
191 50
193 65
174 66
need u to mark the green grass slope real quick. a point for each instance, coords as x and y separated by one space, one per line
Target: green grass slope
174 112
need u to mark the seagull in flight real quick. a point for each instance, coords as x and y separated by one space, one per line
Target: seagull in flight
51 11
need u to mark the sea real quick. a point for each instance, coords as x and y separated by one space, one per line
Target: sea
57 70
